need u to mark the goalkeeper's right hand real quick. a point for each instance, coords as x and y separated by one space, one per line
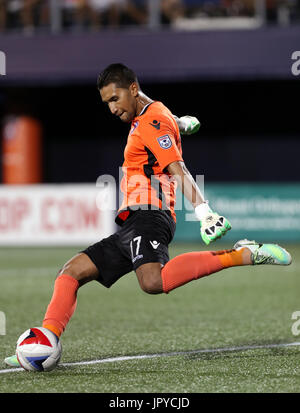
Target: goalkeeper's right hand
187 124
212 225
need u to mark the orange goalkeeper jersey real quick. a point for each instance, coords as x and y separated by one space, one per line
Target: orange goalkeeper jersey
153 143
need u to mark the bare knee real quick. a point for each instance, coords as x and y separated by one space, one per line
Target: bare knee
149 277
150 286
81 268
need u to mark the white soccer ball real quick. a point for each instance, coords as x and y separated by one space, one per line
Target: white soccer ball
38 349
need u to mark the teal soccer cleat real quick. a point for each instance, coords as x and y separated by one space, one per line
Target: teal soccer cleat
265 253
12 361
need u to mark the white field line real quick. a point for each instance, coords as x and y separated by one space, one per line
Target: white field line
174 353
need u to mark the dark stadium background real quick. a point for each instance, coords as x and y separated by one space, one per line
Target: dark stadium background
239 83
250 129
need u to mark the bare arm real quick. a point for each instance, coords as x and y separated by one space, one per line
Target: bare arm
186 183
212 225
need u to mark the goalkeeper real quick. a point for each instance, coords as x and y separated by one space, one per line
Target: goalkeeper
152 165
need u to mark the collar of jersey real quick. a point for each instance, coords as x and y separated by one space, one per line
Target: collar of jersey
145 108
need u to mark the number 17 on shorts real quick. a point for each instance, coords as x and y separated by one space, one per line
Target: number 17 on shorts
135 244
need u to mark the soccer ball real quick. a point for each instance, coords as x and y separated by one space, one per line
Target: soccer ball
38 349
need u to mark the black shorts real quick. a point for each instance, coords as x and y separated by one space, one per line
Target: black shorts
144 237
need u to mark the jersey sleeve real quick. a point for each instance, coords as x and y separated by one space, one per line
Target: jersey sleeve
159 136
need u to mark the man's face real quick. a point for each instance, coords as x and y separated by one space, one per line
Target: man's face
121 101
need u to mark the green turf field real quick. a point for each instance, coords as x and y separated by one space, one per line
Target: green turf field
236 310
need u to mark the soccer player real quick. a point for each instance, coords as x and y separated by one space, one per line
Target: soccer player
153 166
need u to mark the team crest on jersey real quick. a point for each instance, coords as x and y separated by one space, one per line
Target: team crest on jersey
165 141
134 126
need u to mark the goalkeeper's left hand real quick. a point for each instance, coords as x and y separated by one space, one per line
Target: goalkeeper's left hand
212 225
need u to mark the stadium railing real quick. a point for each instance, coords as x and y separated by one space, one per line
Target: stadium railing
29 16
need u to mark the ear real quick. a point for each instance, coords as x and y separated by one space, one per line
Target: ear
134 89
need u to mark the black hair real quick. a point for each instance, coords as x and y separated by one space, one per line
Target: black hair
116 73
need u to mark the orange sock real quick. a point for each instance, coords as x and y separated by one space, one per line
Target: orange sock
62 304
230 258
193 265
